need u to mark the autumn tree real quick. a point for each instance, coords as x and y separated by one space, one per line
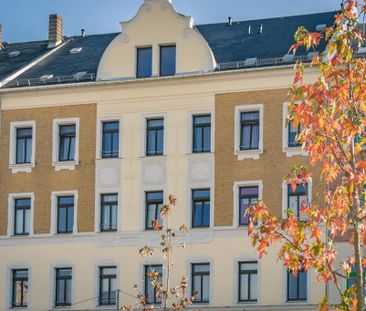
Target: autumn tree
331 113
170 296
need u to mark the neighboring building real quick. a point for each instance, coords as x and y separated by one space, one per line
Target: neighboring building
95 135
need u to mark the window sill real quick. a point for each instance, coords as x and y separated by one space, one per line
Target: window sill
295 151
248 154
65 165
109 159
21 168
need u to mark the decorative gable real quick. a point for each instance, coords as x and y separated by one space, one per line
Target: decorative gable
156 24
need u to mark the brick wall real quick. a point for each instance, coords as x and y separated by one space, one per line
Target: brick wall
44 179
273 164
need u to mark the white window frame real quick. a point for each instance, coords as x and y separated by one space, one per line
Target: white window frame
248 154
191 115
98 211
54 219
285 195
23 167
236 187
99 136
11 206
64 165
9 282
146 117
290 151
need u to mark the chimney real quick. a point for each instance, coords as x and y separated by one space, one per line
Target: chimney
54 30
230 21
1 37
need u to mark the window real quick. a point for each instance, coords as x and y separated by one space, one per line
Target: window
63 287
167 60
201 208
293 131
297 286
24 138
107 285
247 197
249 136
67 137
201 133
248 278
151 295
22 210
154 137
65 214
20 288
109 212
154 203
110 140
144 62
201 282
351 280
296 198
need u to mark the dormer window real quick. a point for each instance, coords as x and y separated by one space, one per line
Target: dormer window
76 50
167 60
144 62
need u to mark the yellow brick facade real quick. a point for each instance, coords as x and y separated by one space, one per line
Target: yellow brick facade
43 180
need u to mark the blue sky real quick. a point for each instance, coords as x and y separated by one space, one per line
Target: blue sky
27 20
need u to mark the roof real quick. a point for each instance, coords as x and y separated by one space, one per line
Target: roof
28 52
230 44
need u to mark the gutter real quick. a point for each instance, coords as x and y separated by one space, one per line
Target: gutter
32 64
127 81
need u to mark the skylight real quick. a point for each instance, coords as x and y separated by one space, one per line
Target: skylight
76 50
46 77
14 53
320 27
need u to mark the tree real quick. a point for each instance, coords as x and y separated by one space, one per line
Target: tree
331 113
172 297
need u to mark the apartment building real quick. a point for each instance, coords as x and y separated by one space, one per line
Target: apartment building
97 130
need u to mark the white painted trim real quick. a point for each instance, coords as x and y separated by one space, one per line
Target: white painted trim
236 187
285 195
99 135
54 196
27 167
98 206
64 165
246 258
9 283
52 282
11 214
290 151
144 119
248 154
193 113
200 260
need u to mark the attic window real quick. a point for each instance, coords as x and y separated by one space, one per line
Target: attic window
288 57
14 53
76 50
80 74
46 77
320 27
250 61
